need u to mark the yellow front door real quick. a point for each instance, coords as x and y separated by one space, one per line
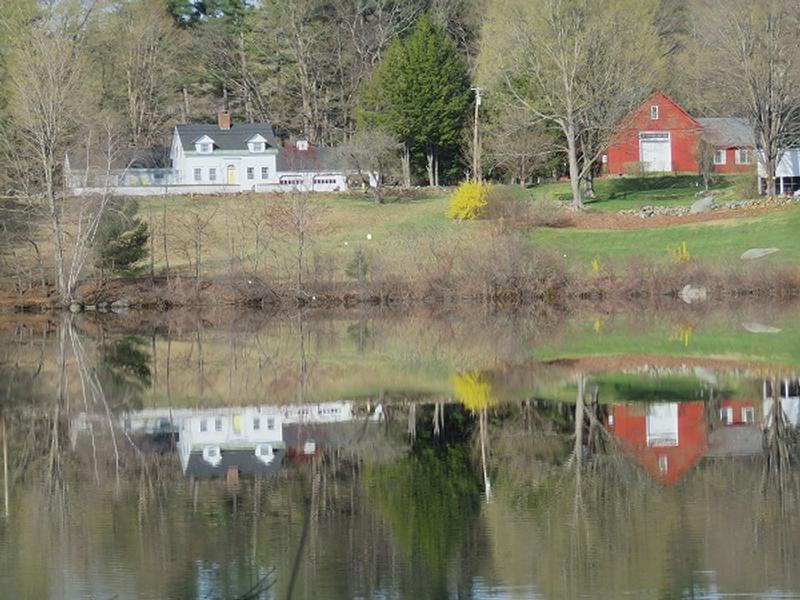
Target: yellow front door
231 175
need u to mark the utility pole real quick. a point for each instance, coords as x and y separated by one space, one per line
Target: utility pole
476 142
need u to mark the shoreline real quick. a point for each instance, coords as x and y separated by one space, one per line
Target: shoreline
694 286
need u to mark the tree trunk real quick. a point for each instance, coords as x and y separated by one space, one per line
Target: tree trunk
574 170
770 176
406 166
429 166
436 166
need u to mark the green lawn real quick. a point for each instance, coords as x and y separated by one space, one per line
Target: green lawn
618 193
716 241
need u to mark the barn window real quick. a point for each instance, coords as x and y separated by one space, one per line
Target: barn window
748 414
742 156
663 463
654 112
719 157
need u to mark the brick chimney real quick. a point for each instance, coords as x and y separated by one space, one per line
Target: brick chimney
224 119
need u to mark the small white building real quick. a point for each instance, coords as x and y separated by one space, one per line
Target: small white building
787 173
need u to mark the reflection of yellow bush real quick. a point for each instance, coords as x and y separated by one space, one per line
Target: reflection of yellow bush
469 201
682 333
473 390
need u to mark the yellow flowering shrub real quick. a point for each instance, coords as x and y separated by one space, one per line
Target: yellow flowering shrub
469 201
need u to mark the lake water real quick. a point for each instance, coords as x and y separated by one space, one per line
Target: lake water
432 454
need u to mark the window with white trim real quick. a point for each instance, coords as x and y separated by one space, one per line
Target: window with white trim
270 423
203 425
198 174
256 423
719 157
748 414
742 156
726 415
251 173
654 112
217 424
212 174
264 172
256 147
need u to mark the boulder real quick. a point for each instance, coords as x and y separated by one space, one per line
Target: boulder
691 294
703 205
121 303
75 307
754 253
760 328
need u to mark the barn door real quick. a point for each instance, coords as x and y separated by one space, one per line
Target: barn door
655 151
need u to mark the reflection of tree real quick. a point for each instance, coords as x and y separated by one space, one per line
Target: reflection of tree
430 498
124 372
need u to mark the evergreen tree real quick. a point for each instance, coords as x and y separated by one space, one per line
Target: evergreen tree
122 238
420 93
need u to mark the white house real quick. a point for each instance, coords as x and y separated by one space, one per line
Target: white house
787 173
221 157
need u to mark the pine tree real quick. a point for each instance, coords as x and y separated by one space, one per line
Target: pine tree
420 93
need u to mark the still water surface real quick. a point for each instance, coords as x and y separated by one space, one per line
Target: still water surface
234 455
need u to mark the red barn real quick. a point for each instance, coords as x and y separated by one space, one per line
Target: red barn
661 137
666 438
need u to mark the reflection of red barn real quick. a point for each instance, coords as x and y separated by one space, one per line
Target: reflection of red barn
737 412
667 439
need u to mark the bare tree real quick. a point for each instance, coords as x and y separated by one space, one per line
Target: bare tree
48 81
579 65
705 162
370 153
144 50
516 146
298 218
195 226
752 54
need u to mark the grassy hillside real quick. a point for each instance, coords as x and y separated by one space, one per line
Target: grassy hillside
715 241
619 193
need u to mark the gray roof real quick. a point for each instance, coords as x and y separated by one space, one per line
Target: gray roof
727 132
244 460
234 138
313 160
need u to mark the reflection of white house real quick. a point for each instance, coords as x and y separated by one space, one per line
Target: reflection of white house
789 396
210 435
250 438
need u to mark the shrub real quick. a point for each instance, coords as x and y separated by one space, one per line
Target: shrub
746 185
358 266
469 201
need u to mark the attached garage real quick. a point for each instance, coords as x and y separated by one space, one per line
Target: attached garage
655 151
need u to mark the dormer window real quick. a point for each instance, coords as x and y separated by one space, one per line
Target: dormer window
654 112
204 145
257 144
